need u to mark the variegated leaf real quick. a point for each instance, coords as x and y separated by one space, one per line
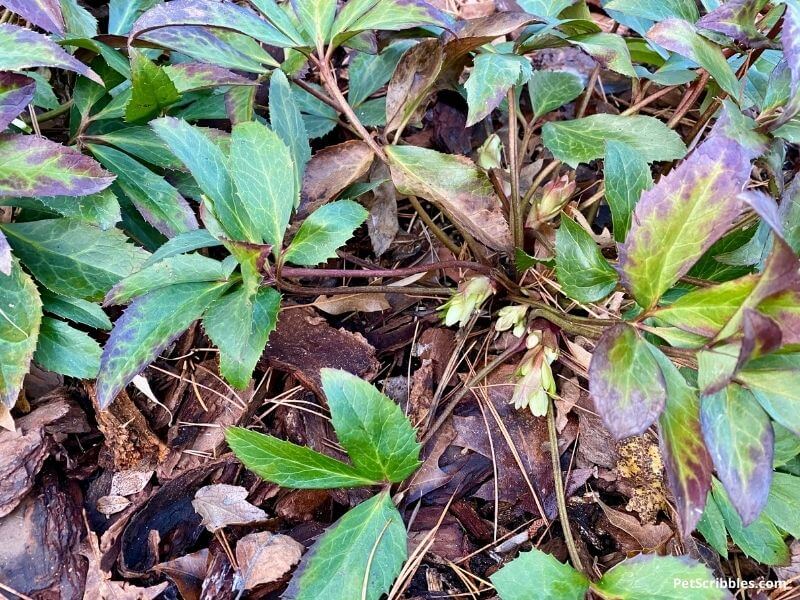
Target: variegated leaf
16 91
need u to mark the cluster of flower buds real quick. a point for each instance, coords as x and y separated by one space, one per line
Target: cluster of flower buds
535 382
471 295
549 201
512 316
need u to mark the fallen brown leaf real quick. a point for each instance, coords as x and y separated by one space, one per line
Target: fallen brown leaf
221 505
187 573
264 557
345 303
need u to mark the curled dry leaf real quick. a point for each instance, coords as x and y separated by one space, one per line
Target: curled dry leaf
187 573
345 303
111 505
127 483
221 505
264 557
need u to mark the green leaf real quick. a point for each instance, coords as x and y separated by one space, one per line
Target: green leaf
65 350
373 430
241 339
609 49
625 381
490 79
388 15
152 90
542 572
783 506
146 328
290 465
183 243
687 461
583 140
550 90
261 166
316 17
761 540
101 209
544 8
75 310
656 10
774 380
678 219
141 142
583 273
677 35
370 72
20 319
122 14
159 203
240 104
184 268
35 166
287 122
659 578
72 258
626 175
739 438
359 557
712 526
325 231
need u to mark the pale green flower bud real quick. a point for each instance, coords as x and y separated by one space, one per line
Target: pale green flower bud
549 201
471 295
536 383
489 154
512 316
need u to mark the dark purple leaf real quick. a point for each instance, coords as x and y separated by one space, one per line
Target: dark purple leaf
42 13
16 91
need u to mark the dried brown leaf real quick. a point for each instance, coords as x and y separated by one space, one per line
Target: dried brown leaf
265 557
221 505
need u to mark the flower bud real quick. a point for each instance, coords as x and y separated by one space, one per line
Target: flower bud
548 202
536 383
512 316
472 293
489 154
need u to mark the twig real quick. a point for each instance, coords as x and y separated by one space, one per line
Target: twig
435 229
400 272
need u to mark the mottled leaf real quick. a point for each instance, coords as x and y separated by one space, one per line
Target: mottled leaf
388 15
656 10
16 92
42 13
158 202
552 579
609 49
372 428
681 37
76 310
583 140
625 381
20 319
24 49
736 19
72 258
193 76
146 328
101 209
316 17
35 166
241 340
290 465
676 221
369 72
550 90
324 232
784 309
366 549
687 461
66 350
456 186
626 175
739 437
489 81
583 273
287 122
212 13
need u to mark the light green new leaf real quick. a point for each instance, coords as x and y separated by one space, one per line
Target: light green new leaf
290 465
677 35
782 505
550 90
261 167
325 231
20 319
583 273
316 17
609 49
286 120
373 430
75 310
626 175
358 557
490 79
151 91
656 10
540 572
583 140
66 350
239 324
146 327
159 203
72 258
654 577
185 268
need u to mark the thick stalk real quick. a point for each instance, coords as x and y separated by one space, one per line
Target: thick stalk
512 156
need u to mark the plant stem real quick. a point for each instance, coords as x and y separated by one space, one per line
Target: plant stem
55 113
561 500
515 214
634 108
401 272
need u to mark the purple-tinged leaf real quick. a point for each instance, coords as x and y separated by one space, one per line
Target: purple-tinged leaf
35 166
678 219
16 91
190 77
5 255
741 129
784 309
687 461
765 207
24 49
42 13
740 439
625 382
790 41
146 327
775 382
210 13
736 19
387 15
